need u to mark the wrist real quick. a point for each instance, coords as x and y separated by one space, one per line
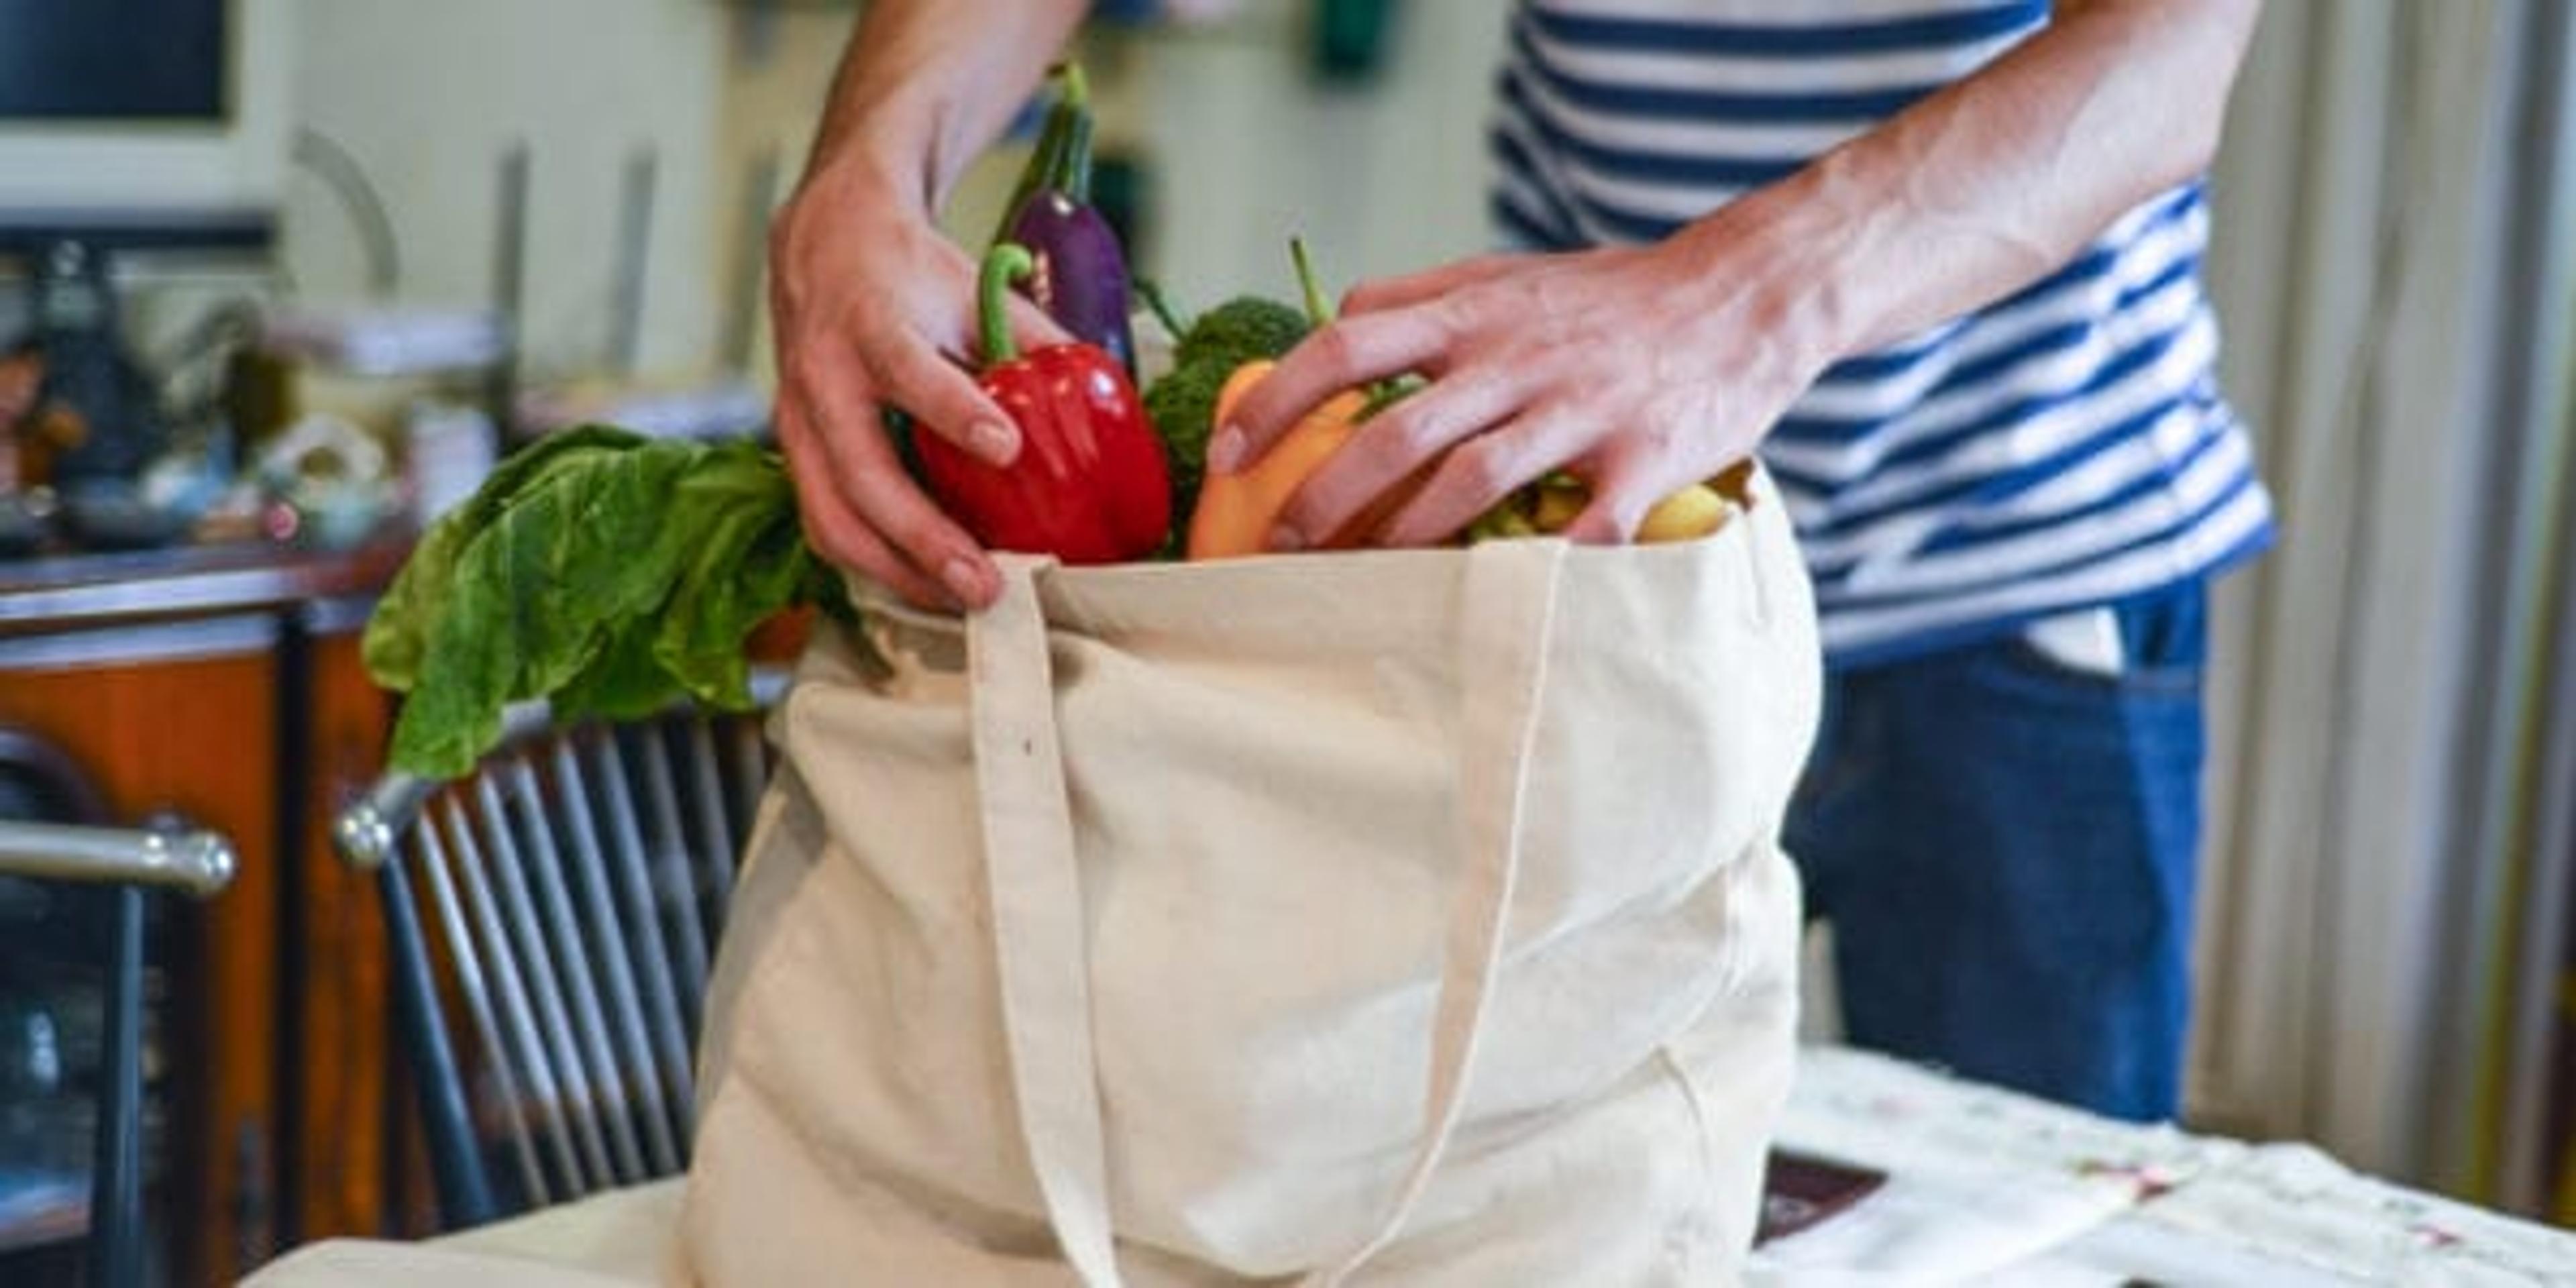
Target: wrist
868 176
1787 269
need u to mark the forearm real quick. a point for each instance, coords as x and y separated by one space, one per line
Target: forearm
928 84
1996 181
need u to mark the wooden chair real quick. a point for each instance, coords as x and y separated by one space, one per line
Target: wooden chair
131 861
548 996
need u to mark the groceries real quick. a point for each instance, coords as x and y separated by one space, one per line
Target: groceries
1206 352
613 574
1089 484
610 573
1078 271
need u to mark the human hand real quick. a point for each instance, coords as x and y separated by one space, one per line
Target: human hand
1639 370
874 309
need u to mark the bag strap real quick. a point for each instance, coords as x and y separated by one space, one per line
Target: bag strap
1506 619
1035 886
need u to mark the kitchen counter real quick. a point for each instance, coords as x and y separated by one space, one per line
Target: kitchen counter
62 592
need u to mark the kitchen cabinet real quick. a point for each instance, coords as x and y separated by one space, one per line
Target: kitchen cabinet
224 685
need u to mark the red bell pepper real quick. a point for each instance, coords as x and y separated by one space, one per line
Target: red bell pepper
1090 484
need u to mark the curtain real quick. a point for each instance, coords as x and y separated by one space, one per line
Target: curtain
2390 260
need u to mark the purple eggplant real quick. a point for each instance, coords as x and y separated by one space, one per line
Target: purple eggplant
1081 274
1081 271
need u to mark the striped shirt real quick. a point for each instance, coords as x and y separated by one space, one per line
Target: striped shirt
2061 449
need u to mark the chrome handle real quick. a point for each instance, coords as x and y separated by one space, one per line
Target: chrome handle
200 863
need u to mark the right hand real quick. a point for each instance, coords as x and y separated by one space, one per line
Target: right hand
874 310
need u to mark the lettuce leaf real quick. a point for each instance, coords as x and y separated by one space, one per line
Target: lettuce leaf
399 630
610 574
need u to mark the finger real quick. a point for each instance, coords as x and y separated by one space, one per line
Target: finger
885 497
1623 490
1388 450
943 399
875 485
832 527
1342 356
1414 288
837 530
1482 471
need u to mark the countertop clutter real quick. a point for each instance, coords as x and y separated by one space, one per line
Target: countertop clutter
1989 1187
52 593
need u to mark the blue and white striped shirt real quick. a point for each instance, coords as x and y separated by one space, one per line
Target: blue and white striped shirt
2066 447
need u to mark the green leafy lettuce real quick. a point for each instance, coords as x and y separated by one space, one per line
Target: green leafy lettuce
605 572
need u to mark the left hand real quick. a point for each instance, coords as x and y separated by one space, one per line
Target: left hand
1637 369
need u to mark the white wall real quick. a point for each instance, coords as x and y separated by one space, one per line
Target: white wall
429 95
1382 179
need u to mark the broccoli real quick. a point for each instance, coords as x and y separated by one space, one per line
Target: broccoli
1182 406
1240 330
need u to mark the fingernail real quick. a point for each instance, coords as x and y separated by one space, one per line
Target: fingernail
965 581
1285 538
1225 452
994 441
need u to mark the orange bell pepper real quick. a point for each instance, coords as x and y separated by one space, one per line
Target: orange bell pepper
1237 511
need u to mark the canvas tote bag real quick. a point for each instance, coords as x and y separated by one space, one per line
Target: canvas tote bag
1401 917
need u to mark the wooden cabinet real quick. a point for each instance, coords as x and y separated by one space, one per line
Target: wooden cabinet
226 686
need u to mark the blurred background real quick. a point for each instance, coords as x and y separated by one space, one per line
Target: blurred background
278 278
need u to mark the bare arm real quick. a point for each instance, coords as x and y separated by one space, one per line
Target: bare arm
1645 368
1982 189
872 305
927 84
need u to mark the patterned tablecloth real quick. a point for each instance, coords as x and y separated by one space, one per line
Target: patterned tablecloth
1990 1187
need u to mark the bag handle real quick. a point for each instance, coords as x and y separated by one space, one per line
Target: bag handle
1506 621
1035 886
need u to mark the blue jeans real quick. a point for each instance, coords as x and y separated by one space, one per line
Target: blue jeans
2006 845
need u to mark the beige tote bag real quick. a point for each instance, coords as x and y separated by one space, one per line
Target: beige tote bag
1402 917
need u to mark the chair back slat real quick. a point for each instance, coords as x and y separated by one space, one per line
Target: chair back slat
715 835
630 870
528 1041
609 1107
507 876
672 868
431 858
576 881
587 876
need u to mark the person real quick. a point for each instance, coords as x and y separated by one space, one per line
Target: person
1936 261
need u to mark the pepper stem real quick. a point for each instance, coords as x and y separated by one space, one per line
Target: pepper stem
1381 393
1072 175
1162 308
1068 169
1004 265
1049 159
1318 309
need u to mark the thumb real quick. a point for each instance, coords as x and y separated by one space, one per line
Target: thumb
1031 328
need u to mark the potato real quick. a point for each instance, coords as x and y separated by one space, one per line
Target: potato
1558 505
1686 515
